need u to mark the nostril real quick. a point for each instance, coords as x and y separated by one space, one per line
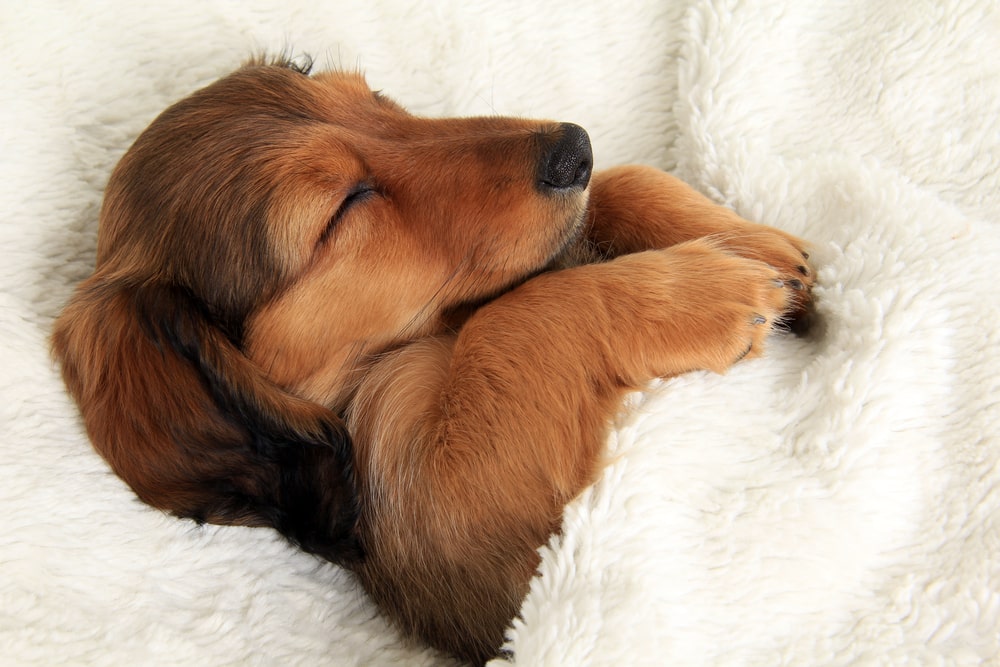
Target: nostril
569 162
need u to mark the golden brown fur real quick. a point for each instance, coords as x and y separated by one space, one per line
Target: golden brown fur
315 311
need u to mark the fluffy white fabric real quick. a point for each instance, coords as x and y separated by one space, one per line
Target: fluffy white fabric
835 502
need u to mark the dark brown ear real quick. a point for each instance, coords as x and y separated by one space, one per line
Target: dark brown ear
194 427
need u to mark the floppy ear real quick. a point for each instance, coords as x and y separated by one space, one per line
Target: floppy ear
194 427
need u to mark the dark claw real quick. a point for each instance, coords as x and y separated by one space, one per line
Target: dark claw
796 284
745 352
803 270
805 255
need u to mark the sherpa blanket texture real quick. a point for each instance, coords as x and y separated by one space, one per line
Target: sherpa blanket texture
834 502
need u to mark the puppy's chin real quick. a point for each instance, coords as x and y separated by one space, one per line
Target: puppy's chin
577 252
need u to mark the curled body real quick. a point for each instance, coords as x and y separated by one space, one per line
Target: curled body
400 341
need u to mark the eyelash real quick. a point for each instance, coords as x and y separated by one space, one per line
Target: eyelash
357 194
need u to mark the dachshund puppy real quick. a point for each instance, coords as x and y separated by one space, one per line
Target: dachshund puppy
397 340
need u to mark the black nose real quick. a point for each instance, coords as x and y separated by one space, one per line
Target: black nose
568 162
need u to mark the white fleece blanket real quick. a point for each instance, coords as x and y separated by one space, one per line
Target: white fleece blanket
835 502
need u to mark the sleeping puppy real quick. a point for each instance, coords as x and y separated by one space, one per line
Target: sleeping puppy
397 340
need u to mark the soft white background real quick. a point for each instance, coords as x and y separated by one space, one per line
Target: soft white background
835 502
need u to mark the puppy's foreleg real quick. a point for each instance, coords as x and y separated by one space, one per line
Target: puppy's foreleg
468 447
635 208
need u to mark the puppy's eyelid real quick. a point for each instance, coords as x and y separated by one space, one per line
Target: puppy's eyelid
361 191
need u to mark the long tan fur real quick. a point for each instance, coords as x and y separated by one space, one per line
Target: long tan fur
396 336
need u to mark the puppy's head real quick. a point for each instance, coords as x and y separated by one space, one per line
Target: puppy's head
384 221
257 243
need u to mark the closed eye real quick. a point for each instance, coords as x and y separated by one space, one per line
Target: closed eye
359 193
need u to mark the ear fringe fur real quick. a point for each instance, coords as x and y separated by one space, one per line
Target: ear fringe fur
221 443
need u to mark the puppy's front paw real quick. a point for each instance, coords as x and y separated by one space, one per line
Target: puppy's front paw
730 306
788 255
